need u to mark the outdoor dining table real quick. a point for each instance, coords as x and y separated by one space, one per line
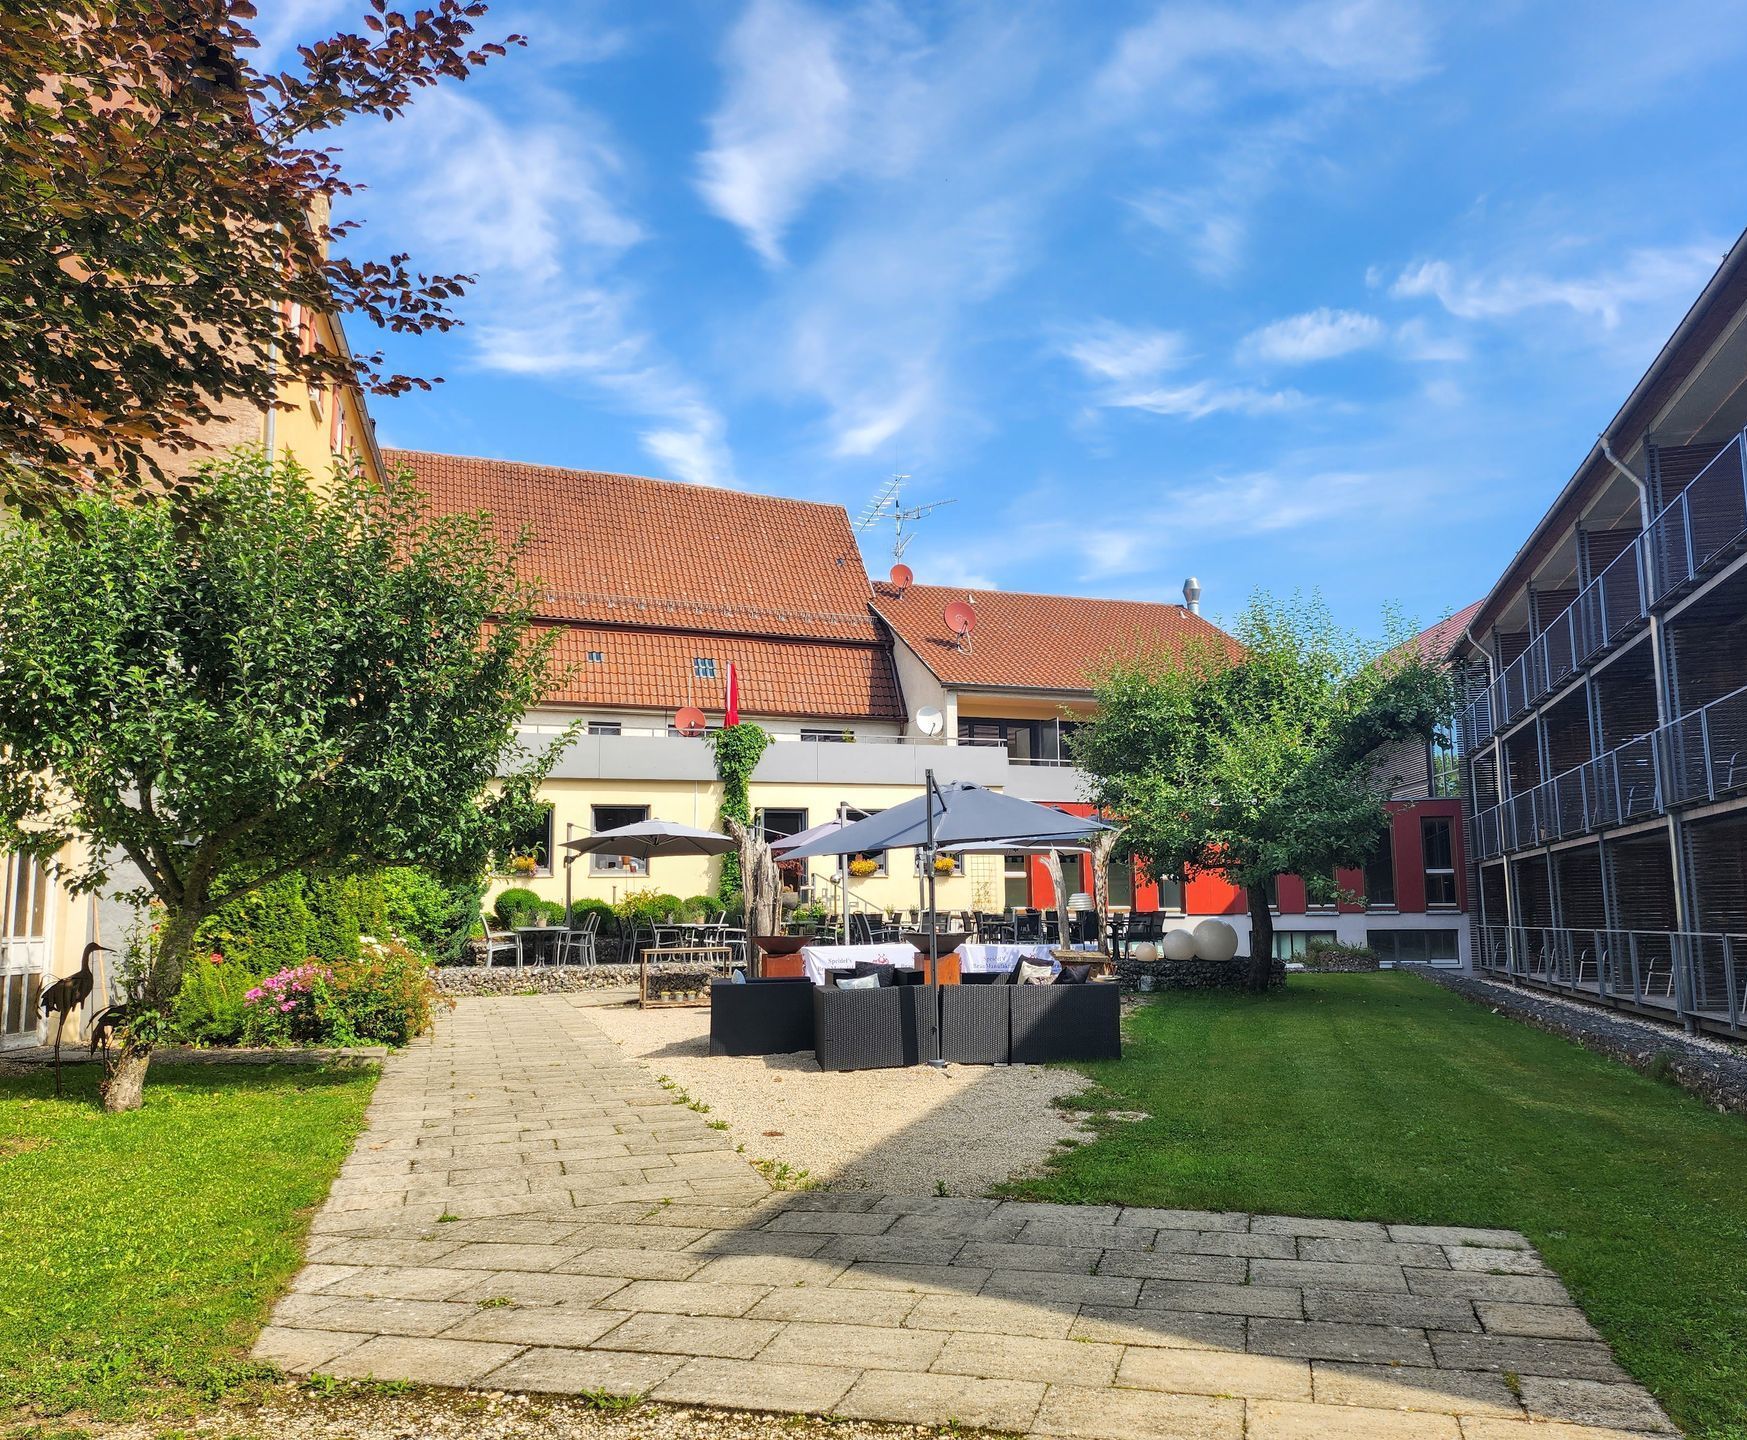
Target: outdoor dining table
531 940
817 959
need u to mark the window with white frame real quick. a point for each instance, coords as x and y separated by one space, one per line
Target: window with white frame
613 817
703 667
1438 837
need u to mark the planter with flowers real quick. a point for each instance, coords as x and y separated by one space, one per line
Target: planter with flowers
861 867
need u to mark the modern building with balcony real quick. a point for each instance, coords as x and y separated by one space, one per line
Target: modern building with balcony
1603 736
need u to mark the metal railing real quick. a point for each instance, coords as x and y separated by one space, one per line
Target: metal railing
1696 976
1698 530
1694 760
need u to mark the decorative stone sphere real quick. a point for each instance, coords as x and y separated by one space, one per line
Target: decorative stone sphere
1145 952
1215 941
1179 944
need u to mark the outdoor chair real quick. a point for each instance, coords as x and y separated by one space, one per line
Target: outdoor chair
1027 927
761 1017
884 1028
578 945
496 945
1065 1022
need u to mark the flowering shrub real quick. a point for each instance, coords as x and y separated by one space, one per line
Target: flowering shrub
385 997
281 1010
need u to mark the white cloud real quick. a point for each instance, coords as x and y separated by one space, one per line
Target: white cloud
530 208
1644 277
1205 397
784 127
1122 354
1320 334
1212 225
1188 54
1129 364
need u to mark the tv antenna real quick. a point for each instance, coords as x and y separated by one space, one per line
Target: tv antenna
888 504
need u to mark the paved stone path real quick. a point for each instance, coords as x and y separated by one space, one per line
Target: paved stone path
529 1211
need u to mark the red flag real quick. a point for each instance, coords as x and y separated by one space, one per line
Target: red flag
733 715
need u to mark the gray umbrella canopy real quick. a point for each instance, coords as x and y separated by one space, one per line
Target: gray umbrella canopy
963 814
652 839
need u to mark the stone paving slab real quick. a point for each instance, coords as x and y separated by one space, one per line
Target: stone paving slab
527 1210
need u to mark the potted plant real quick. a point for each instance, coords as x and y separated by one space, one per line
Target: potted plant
861 867
522 866
945 865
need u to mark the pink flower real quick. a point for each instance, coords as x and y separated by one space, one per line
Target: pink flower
288 1005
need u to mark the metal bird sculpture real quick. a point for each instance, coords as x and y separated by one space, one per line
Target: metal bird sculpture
65 996
104 1024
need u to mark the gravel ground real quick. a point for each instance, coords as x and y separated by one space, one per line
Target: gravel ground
366 1411
906 1132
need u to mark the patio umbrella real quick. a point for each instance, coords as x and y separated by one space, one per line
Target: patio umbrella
956 814
651 839
780 848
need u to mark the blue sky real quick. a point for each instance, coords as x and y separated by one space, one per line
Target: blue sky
1332 293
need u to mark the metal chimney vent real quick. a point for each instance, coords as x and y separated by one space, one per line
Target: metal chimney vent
1192 595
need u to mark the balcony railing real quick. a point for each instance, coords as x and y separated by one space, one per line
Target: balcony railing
1693 975
1694 760
1703 527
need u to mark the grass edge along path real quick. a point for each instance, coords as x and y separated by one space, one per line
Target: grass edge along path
144 1250
1383 1097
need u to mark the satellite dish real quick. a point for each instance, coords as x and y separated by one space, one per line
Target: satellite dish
961 618
690 721
902 575
929 720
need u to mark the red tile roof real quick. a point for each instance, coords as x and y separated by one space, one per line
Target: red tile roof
1034 642
652 669
1437 643
624 550
653 574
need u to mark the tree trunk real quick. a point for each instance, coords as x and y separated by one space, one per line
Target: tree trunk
1261 940
124 1080
124 1086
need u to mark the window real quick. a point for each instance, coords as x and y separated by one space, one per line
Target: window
1272 888
1015 882
703 667
1321 904
1291 944
1380 875
1120 880
534 842
1440 862
1170 895
1429 947
611 817
596 657
780 824
822 736
603 727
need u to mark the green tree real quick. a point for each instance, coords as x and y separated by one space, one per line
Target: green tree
1267 757
165 218
269 682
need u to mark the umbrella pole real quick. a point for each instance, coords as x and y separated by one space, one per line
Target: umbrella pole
938 1059
843 872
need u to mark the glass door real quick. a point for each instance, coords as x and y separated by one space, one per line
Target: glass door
26 916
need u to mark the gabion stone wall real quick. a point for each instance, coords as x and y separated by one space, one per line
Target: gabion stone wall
1190 974
562 979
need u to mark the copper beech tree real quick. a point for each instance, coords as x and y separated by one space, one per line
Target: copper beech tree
271 682
163 206
1271 757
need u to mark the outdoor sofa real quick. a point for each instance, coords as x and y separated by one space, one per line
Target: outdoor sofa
907 1023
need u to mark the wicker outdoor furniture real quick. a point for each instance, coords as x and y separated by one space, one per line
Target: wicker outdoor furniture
876 1029
1065 1022
761 1017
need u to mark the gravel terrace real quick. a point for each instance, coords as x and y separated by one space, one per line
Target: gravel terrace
904 1132
528 1211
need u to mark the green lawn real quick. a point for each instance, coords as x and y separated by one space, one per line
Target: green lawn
139 1253
1381 1097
